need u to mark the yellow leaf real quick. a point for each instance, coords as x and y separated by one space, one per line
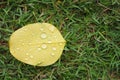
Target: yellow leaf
38 44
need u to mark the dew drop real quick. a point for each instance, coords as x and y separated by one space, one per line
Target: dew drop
23 44
39 49
55 36
18 48
61 49
41 29
54 48
39 63
44 46
43 35
32 34
29 43
43 60
60 44
52 54
13 51
31 56
49 42
27 54
51 28
25 29
26 59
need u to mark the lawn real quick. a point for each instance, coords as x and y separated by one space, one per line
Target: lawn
90 27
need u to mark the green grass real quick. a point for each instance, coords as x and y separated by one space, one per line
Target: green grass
91 29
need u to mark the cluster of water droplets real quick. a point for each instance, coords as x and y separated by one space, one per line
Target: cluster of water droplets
43 35
30 56
43 47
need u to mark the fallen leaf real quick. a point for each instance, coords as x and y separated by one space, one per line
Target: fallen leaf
38 44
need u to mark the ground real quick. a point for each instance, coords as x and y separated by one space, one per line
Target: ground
90 27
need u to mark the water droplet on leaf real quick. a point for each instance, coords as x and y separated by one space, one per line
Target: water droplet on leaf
18 48
26 59
54 48
41 29
29 43
43 35
44 46
23 44
49 42
39 49
60 44
51 28
52 54
25 29
27 54
31 56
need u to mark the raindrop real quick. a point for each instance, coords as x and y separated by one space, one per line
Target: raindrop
23 44
27 54
49 42
32 34
55 36
51 28
31 56
61 49
39 63
60 44
18 48
52 54
44 46
41 29
25 29
26 59
29 43
43 60
13 51
54 48
39 49
43 35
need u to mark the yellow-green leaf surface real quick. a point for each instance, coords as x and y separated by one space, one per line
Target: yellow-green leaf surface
38 44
